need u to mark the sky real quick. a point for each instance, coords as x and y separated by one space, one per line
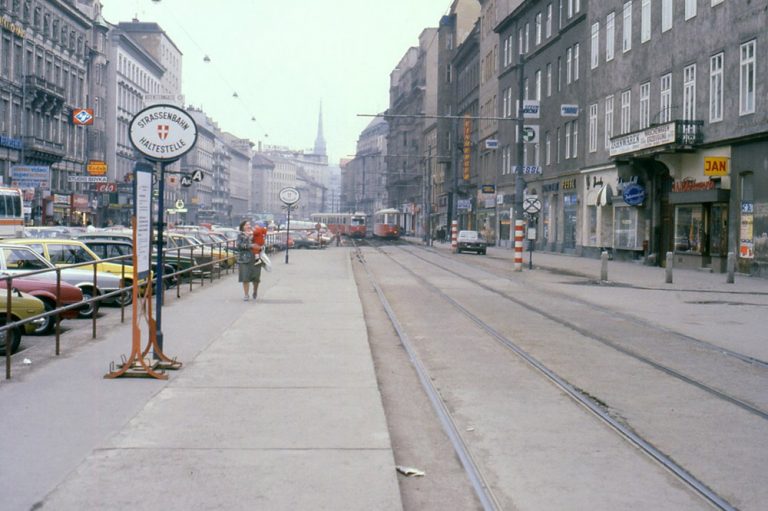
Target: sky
284 57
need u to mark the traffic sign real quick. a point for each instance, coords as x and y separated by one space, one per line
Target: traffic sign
197 176
531 205
163 132
531 134
289 195
186 180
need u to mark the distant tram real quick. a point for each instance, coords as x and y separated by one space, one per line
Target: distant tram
348 224
386 224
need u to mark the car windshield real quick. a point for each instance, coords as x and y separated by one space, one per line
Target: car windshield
21 258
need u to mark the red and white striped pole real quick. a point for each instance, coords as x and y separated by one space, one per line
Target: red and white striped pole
519 234
454 234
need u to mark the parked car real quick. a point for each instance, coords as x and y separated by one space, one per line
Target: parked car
47 292
23 306
301 240
107 248
20 259
471 241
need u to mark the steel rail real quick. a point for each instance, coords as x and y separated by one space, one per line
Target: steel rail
476 478
702 489
621 349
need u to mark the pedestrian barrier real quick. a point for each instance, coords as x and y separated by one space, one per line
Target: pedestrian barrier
212 268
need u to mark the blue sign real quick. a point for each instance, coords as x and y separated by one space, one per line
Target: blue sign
13 143
634 194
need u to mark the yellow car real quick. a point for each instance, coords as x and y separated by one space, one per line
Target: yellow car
64 252
23 306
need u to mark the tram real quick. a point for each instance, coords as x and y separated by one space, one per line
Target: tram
348 224
386 224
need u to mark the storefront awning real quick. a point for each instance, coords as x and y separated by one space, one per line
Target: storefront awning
604 196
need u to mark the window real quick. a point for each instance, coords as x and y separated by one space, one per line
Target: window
575 138
626 41
608 121
548 147
520 44
538 85
645 105
626 227
645 21
689 92
665 101
538 28
667 10
548 29
715 2
626 111
595 46
567 140
716 88
610 36
593 128
560 14
576 62
506 52
527 37
557 146
690 9
689 229
747 78
549 79
559 73
568 65
570 9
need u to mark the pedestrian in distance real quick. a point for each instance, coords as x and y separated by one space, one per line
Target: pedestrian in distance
258 240
248 271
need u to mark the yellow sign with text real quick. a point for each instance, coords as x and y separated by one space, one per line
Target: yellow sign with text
716 166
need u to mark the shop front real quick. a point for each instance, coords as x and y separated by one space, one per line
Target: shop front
600 184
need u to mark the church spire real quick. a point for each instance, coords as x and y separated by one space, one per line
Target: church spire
320 140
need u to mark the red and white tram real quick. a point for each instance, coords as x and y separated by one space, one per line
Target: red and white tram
348 224
386 224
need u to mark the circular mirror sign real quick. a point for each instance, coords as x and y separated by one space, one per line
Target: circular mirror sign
163 132
289 195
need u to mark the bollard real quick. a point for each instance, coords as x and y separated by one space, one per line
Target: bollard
604 266
670 263
731 268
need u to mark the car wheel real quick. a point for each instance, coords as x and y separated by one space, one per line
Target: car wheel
10 338
50 321
125 299
482 253
90 309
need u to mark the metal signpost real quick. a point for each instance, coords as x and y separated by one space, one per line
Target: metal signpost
288 196
531 207
163 134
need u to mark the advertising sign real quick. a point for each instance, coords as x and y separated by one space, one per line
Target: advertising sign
82 116
467 147
163 132
30 176
531 108
97 168
569 110
634 194
651 137
715 166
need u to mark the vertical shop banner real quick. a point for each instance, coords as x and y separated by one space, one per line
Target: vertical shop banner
467 146
746 233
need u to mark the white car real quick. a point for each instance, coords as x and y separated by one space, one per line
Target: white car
471 241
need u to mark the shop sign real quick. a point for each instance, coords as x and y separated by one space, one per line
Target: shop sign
651 137
531 108
80 202
82 116
11 27
488 188
61 199
467 147
569 110
13 143
568 184
691 185
633 194
97 168
746 231
465 204
528 169
491 143
716 166
550 187
106 187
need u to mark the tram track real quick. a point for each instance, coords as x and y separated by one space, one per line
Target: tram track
589 402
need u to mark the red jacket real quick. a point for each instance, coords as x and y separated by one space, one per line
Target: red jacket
259 238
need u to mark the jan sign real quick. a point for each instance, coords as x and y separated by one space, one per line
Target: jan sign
163 132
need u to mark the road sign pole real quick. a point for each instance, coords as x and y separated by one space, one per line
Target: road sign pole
159 294
519 182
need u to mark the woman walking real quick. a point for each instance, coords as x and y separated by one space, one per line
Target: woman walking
249 270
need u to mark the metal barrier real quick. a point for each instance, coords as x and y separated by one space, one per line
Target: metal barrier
210 268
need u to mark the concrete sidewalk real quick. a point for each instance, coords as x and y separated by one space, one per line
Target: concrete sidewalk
276 407
635 274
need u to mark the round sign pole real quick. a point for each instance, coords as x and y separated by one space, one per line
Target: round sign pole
288 196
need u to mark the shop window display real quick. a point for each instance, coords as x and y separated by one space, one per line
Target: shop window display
689 229
625 233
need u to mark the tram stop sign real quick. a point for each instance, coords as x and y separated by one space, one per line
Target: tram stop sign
532 205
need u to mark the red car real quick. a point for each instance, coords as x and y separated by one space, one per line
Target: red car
46 292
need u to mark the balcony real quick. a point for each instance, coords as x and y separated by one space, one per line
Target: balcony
42 149
43 95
